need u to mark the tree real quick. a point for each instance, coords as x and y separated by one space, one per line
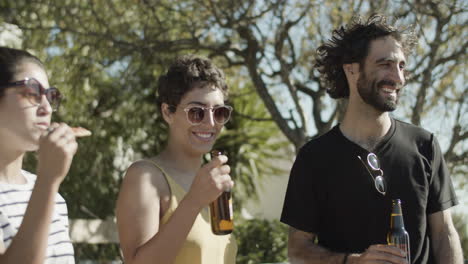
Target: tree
106 57
117 48
275 42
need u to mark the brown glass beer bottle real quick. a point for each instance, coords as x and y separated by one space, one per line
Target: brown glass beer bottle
221 210
397 235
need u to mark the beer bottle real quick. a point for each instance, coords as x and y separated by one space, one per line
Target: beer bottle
221 210
397 235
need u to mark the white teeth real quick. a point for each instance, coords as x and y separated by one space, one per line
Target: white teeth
204 135
389 91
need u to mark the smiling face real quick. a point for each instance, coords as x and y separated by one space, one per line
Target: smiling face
382 77
198 138
23 122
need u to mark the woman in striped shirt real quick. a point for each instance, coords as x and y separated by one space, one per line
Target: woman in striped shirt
33 216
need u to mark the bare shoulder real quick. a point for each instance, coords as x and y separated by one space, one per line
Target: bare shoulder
145 175
139 205
143 184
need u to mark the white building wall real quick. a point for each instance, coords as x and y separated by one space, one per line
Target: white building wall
271 191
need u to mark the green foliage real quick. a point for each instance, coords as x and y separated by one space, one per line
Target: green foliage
101 253
261 241
108 54
106 58
251 140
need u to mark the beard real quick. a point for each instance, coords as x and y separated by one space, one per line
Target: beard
369 90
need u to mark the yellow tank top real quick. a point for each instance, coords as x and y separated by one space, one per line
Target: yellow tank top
201 246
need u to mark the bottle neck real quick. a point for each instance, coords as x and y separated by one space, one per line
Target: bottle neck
396 220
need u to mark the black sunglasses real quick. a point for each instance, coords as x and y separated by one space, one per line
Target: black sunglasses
374 164
33 91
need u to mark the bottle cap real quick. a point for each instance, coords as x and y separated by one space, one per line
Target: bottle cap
215 153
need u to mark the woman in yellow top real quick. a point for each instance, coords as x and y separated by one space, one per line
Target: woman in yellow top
162 209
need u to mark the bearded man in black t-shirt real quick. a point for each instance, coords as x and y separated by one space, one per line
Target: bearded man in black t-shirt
337 208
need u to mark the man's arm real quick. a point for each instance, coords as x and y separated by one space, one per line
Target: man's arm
444 238
302 249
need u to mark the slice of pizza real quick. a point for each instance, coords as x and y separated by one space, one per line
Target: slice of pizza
81 132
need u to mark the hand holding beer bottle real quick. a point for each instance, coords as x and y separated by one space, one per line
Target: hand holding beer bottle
396 252
221 210
212 186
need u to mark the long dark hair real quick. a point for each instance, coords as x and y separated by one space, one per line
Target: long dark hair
10 60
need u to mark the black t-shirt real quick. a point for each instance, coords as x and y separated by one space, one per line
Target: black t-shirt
330 193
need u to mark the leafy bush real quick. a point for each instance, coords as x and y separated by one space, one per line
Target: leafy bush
261 241
98 253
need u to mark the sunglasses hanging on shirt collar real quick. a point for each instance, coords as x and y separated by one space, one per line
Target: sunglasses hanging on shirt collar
374 165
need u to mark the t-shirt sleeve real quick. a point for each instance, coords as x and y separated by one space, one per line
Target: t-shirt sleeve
299 208
441 192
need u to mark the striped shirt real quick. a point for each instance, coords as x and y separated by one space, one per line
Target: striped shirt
14 199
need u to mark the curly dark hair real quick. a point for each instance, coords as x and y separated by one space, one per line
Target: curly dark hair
183 75
351 44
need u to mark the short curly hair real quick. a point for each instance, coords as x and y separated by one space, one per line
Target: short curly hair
183 75
351 44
